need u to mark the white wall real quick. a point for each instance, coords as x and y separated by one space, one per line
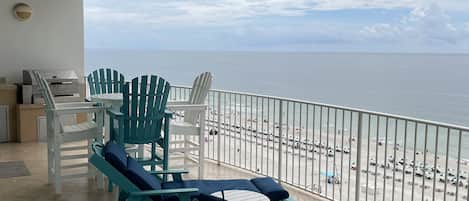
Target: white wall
51 39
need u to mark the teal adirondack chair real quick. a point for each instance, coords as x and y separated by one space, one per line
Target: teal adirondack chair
142 117
128 190
107 80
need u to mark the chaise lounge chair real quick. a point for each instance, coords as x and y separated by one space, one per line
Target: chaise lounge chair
135 183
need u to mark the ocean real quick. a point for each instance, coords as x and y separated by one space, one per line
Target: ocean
427 86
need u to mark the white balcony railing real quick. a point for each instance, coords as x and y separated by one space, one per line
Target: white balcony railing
338 153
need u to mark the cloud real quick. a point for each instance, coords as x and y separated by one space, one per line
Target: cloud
192 12
228 11
426 24
381 32
431 22
363 4
276 25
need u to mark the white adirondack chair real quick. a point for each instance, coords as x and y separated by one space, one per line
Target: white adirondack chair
188 134
66 153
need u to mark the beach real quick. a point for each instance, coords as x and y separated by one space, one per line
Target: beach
327 164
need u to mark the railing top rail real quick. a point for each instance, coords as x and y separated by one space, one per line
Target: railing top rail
393 116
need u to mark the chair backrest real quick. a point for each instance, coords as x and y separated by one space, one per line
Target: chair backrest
47 96
200 89
144 105
107 80
45 89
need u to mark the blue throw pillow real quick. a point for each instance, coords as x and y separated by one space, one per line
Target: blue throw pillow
140 177
116 156
270 188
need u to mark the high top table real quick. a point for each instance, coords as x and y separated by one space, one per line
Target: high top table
114 102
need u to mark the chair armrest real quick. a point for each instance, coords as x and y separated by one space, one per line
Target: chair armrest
177 103
97 148
78 104
113 114
169 172
168 114
188 107
77 110
163 192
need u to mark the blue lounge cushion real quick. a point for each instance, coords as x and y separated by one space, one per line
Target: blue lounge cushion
116 156
208 187
270 188
140 177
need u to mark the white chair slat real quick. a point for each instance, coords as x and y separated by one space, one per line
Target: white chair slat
200 88
82 127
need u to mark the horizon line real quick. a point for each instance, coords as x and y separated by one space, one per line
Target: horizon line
280 51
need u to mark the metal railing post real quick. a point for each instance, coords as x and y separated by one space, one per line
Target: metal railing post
219 128
358 163
280 128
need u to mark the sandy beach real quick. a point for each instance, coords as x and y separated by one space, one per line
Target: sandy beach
316 165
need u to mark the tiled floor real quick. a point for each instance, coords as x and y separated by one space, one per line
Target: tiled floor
35 187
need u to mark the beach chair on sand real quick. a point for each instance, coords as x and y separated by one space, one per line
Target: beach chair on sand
135 183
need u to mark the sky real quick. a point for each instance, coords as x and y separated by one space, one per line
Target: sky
435 26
